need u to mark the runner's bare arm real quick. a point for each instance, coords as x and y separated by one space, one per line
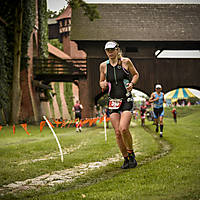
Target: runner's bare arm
131 68
102 81
152 98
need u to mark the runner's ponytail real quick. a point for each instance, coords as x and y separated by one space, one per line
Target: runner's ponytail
119 56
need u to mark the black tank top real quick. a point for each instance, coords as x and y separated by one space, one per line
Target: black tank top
77 108
116 75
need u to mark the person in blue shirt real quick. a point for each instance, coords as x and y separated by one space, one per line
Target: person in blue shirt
157 98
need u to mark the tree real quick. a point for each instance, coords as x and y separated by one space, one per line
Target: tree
53 14
89 10
14 13
16 90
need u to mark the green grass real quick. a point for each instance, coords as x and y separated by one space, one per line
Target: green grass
168 168
181 111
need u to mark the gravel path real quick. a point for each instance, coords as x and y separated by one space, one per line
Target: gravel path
57 177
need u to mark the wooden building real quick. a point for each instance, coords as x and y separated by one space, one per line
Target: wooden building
141 30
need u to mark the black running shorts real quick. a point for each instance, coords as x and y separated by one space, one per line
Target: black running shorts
158 112
125 106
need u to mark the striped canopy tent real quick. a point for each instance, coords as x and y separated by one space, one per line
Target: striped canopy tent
181 93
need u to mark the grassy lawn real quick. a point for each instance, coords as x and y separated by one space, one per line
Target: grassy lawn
168 168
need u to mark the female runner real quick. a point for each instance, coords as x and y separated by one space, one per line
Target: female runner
115 73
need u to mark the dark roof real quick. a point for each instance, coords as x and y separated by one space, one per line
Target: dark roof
66 14
139 22
57 52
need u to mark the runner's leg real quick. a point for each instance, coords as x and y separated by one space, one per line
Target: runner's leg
124 129
115 120
161 126
127 137
155 114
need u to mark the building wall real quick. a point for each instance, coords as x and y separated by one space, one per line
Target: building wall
30 106
171 73
80 91
86 99
34 94
26 113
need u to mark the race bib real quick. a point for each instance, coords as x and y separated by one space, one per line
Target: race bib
114 103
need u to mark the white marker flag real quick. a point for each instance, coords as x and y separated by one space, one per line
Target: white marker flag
105 128
61 153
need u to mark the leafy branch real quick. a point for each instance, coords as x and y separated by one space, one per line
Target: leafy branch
89 10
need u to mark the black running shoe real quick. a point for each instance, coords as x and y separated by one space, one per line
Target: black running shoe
132 161
125 164
156 129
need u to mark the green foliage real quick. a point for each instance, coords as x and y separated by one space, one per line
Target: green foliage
89 9
53 14
6 56
52 108
8 9
181 111
5 74
193 100
69 97
57 91
56 43
43 29
7 13
28 25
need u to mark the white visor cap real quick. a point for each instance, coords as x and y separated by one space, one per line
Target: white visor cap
158 86
110 45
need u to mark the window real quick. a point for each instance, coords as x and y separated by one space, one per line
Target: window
177 54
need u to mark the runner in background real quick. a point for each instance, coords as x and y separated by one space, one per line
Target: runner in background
78 109
143 114
135 114
174 113
157 98
115 74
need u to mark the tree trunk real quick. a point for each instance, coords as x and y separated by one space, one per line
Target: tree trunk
16 90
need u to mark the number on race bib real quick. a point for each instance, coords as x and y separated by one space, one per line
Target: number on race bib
114 103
